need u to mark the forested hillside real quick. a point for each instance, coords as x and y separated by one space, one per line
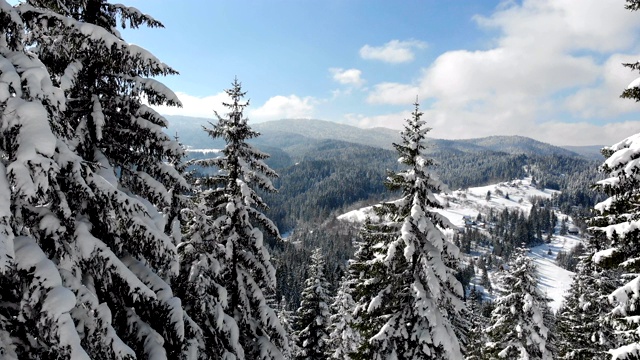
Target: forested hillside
321 174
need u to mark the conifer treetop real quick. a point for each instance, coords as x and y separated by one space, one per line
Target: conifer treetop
406 310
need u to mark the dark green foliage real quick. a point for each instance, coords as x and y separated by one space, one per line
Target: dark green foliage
510 228
343 338
333 176
368 278
465 169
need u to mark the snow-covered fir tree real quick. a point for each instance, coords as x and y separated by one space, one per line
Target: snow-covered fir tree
198 285
407 309
367 278
35 319
86 175
343 337
311 324
246 273
618 222
518 329
581 329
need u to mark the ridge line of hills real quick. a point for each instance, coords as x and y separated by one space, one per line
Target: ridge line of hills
290 134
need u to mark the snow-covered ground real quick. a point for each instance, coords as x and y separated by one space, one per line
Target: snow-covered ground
554 280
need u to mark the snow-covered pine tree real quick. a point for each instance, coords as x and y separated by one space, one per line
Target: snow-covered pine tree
247 273
581 331
286 319
86 181
412 301
367 278
198 285
35 319
343 338
311 322
618 222
518 329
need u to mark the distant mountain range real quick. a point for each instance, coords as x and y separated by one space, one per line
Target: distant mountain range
292 135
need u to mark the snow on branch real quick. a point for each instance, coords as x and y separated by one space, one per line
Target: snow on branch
58 300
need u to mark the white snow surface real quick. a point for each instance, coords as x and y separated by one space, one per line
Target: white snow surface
554 280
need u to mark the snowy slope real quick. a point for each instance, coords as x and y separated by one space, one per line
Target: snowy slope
554 280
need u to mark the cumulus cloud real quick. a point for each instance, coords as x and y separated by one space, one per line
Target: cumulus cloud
347 77
276 107
282 107
195 105
395 51
554 61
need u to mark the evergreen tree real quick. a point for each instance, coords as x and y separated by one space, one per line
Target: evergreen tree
476 335
581 329
312 317
415 295
87 173
247 273
199 285
343 337
617 224
368 278
519 327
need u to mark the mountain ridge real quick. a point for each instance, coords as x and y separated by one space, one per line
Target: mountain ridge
289 134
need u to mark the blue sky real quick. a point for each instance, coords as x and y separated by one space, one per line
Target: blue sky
547 69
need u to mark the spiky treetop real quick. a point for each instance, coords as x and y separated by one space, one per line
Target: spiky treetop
416 294
247 274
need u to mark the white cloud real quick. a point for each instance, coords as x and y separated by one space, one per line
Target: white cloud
283 107
553 58
583 133
393 93
602 99
395 51
195 105
277 107
348 76
474 126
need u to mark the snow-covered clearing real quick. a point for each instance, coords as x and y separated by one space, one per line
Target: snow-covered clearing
553 280
463 205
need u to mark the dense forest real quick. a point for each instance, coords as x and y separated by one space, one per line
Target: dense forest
119 242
